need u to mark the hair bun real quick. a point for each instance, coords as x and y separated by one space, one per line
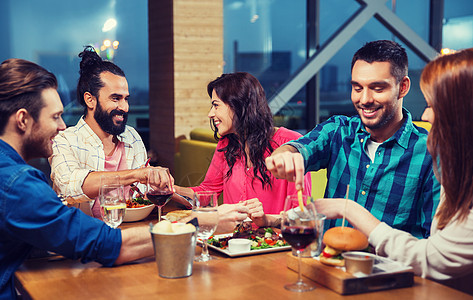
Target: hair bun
90 59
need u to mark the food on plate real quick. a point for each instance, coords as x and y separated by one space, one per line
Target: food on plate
166 227
176 215
338 240
262 237
137 202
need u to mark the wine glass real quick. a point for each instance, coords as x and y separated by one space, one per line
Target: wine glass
205 210
299 228
112 204
159 196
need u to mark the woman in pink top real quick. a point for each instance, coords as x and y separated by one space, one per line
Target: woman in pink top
240 115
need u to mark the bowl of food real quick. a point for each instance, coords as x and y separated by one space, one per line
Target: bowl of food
137 209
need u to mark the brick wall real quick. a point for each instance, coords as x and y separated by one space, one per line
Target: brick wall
185 53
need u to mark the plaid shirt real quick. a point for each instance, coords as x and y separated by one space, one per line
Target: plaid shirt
77 151
399 187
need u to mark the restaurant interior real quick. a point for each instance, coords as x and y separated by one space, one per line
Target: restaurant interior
170 50
299 50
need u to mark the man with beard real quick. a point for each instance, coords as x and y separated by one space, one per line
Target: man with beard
31 213
380 154
100 143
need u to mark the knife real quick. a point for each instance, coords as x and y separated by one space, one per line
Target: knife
184 200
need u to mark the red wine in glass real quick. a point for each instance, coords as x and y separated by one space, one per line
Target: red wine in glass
299 237
158 198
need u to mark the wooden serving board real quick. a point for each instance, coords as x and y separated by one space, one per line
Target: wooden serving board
344 283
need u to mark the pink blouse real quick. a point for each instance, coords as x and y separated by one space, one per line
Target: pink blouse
240 186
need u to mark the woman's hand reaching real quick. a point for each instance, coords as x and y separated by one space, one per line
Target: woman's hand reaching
256 212
229 216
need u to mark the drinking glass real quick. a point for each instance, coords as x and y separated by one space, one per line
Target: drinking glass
299 228
205 210
112 204
159 196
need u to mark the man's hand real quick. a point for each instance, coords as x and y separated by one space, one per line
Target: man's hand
287 163
161 179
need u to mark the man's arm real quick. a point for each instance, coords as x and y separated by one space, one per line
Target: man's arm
67 174
91 184
287 163
136 244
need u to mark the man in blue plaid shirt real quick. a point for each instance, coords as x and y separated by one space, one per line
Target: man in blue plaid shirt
380 153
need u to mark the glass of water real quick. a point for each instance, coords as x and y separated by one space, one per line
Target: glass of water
205 210
112 204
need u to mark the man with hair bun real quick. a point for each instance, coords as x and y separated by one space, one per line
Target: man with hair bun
31 214
100 143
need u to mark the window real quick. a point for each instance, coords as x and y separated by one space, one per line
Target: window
53 32
268 39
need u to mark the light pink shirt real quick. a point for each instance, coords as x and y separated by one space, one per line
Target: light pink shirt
114 162
240 185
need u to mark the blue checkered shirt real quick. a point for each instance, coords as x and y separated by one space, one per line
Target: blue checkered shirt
399 187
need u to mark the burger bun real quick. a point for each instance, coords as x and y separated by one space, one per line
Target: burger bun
332 261
345 239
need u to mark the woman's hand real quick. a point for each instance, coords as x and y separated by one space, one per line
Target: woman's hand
357 215
256 212
229 216
332 208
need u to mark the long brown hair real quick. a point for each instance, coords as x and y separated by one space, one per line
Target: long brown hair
253 122
447 83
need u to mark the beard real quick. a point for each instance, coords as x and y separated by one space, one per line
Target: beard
105 120
385 118
37 145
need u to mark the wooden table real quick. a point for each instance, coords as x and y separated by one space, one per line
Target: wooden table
252 277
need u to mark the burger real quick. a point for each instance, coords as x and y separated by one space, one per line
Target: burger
338 240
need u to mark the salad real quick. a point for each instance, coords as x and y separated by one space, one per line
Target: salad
137 202
262 238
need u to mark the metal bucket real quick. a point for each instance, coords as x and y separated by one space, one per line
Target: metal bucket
174 253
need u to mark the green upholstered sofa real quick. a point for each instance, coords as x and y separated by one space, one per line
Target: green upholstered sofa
193 157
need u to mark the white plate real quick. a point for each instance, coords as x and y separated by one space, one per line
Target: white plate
246 253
